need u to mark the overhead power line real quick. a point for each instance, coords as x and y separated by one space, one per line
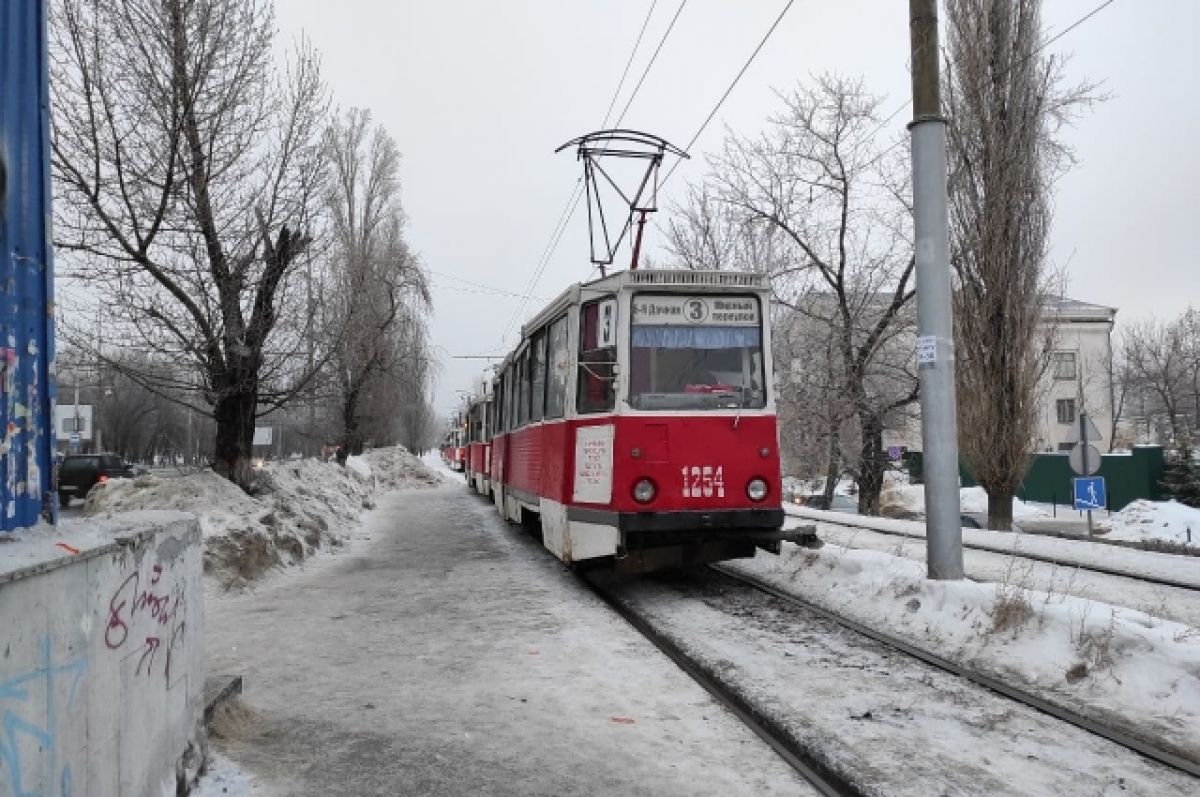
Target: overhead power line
576 193
628 63
650 63
1017 65
729 90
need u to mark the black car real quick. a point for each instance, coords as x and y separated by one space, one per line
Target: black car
78 474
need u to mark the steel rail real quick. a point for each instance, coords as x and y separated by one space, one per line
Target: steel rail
822 777
1053 560
1126 740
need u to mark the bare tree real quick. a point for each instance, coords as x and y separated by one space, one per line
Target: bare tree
1158 364
1006 104
380 288
817 204
187 166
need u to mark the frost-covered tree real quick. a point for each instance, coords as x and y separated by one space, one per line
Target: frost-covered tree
815 202
379 292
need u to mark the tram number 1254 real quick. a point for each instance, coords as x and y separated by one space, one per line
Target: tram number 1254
703 481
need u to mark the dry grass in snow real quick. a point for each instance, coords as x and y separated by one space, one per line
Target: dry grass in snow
1119 665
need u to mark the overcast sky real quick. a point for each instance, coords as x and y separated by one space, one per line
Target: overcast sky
479 94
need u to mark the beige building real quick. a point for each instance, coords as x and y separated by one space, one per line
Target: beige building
1079 376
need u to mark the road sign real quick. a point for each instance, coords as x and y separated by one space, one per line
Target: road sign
1093 431
1075 457
1090 493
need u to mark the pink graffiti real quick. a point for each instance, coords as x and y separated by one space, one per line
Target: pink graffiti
162 610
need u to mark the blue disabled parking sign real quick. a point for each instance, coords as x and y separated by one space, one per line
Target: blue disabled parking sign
1089 493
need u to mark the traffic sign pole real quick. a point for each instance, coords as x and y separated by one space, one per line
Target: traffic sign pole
1083 443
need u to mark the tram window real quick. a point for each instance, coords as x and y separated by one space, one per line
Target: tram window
498 407
537 376
596 378
557 369
696 353
509 404
523 387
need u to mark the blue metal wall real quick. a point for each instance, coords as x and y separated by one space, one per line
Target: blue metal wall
26 270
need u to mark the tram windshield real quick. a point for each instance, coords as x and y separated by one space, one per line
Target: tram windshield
696 352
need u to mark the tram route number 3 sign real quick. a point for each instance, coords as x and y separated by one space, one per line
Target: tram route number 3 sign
703 481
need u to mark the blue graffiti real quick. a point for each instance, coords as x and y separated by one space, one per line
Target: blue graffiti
23 689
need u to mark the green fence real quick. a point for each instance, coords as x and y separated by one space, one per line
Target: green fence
1127 477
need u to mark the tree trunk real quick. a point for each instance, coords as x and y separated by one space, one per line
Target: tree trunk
1000 511
871 465
833 470
234 413
352 435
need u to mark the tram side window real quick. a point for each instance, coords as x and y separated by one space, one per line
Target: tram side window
537 370
557 367
596 379
498 407
523 387
510 405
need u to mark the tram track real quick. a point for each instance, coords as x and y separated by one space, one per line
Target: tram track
807 733
1116 736
1037 557
796 755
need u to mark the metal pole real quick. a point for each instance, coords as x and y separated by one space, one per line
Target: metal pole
1083 444
99 388
28 465
78 434
935 328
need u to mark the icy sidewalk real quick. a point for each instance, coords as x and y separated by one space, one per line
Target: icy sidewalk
448 654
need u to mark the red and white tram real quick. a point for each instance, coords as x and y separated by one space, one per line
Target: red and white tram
635 422
477 461
454 452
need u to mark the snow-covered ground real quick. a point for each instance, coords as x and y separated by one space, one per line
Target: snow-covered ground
1142 521
446 653
1109 655
302 506
1117 664
224 778
910 499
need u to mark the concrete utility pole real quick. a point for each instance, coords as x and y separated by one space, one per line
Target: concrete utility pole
27 465
935 325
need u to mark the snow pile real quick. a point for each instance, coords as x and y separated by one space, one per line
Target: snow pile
218 502
1121 666
1144 521
909 500
300 507
394 468
359 469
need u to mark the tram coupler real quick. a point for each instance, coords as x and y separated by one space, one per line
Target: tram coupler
804 536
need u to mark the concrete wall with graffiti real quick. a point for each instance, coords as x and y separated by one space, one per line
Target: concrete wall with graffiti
101 658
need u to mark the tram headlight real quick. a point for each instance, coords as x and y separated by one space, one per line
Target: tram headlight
643 491
756 490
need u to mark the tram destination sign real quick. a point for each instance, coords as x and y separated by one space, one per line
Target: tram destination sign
722 311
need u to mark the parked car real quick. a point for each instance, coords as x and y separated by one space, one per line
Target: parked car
79 473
